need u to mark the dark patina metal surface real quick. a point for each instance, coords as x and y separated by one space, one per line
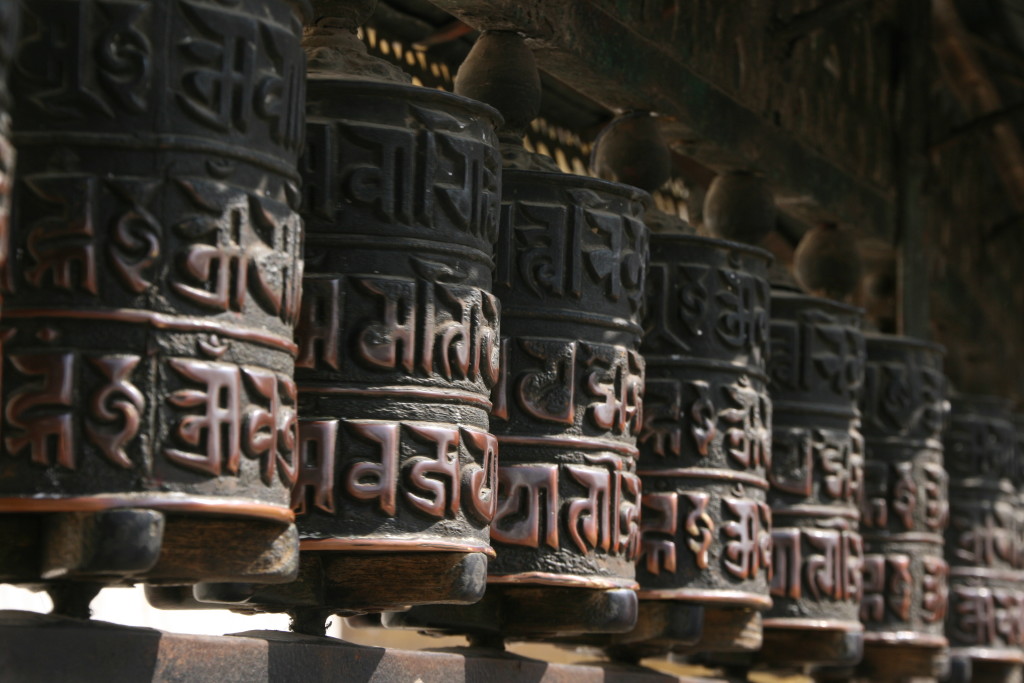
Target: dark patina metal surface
155 256
984 617
572 259
706 440
905 509
815 370
399 331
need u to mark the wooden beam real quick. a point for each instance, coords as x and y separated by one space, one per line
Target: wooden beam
592 51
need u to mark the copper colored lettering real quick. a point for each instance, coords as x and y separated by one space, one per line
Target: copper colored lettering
62 246
437 476
787 562
40 411
115 409
481 480
317 442
390 343
523 491
935 587
743 556
592 513
220 420
319 330
272 432
378 481
549 393
700 527
658 524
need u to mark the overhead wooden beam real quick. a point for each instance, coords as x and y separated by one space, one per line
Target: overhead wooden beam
587 45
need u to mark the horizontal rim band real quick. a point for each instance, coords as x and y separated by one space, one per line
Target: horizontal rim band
168 502
566 580
385 545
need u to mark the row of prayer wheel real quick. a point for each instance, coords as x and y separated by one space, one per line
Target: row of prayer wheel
330 343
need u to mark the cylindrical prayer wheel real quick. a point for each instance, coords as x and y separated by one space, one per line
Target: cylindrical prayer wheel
816 370
571 263
399 334
706 439
151 289
905 508
983 622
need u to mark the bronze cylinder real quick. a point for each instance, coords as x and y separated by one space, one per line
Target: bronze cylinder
905 509
155 263
983 621
399 331
706 439
572 259
816 370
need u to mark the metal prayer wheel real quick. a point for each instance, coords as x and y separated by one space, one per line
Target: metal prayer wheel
571 263
815 369
398 353
983 622
399 332
905 508
706 439
151 291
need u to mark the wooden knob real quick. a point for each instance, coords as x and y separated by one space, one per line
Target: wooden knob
500 71
827 262
739 206
350 14
631 150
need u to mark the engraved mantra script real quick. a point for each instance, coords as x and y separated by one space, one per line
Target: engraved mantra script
830 571
838 457
551 247
688 300
889 588
532 512
896 491
42 413
237 246
745 535
739 413
236 71
553 371
379 471
818 352
405 174
988 617
430 327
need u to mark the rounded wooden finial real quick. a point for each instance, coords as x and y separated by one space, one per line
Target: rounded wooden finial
500 71
827 262
631 150
739 206
349 14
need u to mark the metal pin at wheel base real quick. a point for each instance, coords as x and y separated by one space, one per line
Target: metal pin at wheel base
985 600
151 289
815 369
706 438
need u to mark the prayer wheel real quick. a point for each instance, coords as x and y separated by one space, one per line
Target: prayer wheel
905 508
398 341
571 263
151 290
816 370
983 622
706 441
